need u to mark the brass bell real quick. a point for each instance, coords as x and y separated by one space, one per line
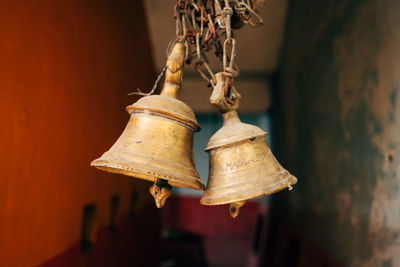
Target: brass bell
242 165
157 143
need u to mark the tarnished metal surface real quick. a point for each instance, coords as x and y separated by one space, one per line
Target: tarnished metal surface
242 165
153 147
156 145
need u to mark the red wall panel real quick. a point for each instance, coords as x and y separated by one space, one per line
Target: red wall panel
65 70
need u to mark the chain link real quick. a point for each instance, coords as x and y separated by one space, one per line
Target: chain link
204 24
246 12
201 26
210 80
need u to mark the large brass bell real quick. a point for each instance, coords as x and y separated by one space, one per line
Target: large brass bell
242 165
157 143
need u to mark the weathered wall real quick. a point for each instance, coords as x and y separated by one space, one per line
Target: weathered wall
340 125
65 70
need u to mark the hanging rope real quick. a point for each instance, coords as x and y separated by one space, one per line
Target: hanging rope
138 92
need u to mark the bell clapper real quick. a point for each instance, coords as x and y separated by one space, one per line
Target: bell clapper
160 191
234 208
290 187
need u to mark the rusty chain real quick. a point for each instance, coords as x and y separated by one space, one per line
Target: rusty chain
205 25
247 13
202 23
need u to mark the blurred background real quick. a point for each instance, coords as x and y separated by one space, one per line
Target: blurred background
321 77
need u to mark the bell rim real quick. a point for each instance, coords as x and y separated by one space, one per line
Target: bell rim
146 174
262 192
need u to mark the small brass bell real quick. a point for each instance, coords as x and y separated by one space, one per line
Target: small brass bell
157 143
242 165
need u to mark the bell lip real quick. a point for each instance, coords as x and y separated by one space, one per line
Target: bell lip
221 145
225 200
143 174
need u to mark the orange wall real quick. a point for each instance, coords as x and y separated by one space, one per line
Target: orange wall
65 70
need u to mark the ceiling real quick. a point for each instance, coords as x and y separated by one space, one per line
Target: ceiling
257 55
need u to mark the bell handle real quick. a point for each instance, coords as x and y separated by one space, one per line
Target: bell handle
174 71
224 95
